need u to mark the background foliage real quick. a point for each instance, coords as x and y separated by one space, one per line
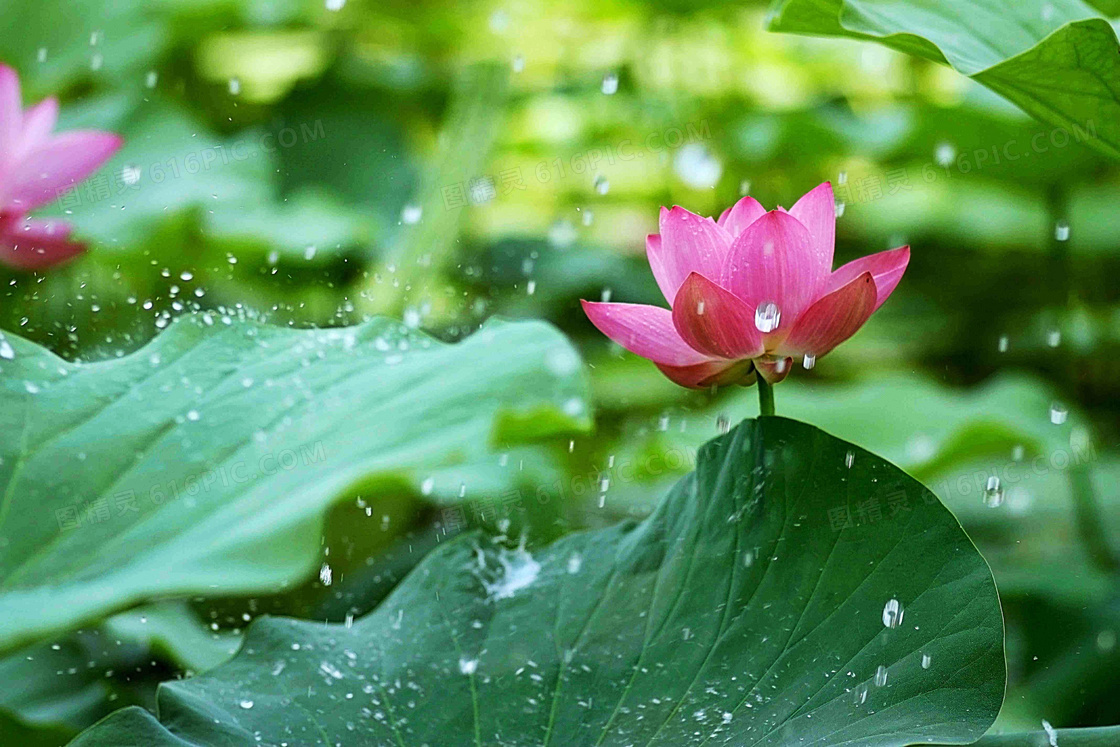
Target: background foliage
311 165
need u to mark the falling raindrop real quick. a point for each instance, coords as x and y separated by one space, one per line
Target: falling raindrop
723 424
1054 338
562 234
468 666
6 350
1051 734
130 174
588 217
697 166
1003 343
193 415
849 458
809 360
1017 452
326 575
892 614
602 186
767 317
944 155
246 704
839 209
993 493
1058 413
234 86
880 676
605 296
335 5
1061 231
860 695
151 79
411 214
926 661
744 187
610 83
699 308
842 178
518 63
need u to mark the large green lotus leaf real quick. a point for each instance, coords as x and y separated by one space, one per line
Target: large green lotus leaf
203 462
1055 59
63 685
738 613
1105 736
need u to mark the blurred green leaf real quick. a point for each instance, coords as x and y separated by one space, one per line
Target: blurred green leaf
736 612
203 463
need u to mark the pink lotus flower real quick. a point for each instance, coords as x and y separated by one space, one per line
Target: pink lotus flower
36 167
749 292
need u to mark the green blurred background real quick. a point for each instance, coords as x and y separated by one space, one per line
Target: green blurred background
315 163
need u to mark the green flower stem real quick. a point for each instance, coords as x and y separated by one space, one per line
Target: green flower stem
765 397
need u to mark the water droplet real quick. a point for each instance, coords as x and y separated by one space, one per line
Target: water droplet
335 5
6 350
839 209
246 704
151 79
849 458
1061 231
809 360
767 317
234 86
697 166
309 252
193 415
468 666
744 187
326 575
610 83
1003 343
411 214
993 493
518 63
1017 452
1054 338
1058 413
842 178
427 486
723 424
699 308
42 57
860 695
562 234
944 155
605 296
602 186
880 676
1051 734
588 217
892 614
130 174
926 661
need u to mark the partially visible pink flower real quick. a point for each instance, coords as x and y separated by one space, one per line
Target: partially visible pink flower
36 167
749 293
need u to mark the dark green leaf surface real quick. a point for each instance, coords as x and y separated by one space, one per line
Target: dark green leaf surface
204 462
738 613
1055 59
